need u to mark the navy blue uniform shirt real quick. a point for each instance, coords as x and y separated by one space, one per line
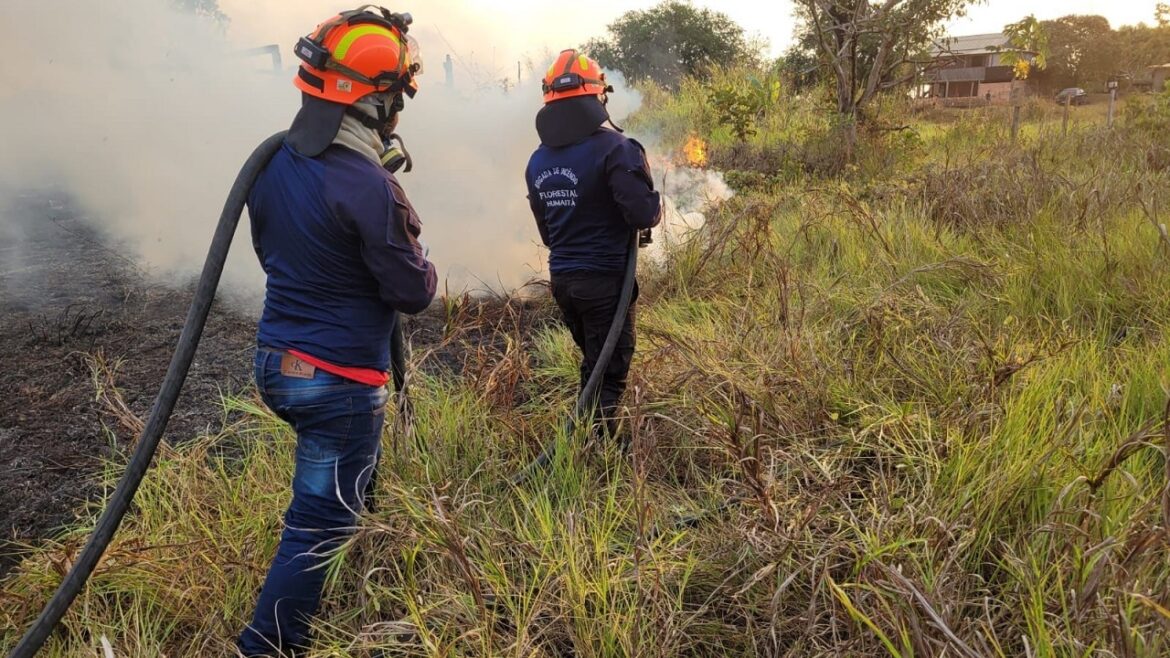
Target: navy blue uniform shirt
587 198
338 240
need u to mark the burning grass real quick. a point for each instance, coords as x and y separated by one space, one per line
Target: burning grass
864 422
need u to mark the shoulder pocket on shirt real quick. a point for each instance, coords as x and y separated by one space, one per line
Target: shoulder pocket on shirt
643 171
404 213
408 218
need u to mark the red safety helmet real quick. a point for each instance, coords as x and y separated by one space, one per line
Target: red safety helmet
575 94
356 53
573 75
348 57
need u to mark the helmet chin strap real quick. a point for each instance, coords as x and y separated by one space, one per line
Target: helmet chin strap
385 112
605 102
394 155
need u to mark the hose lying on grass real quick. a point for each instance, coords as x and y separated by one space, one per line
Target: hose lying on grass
164 404
589 391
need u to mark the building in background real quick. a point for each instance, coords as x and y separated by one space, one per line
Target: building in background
969 71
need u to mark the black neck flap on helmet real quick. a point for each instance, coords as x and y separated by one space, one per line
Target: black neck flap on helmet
570 120
391 84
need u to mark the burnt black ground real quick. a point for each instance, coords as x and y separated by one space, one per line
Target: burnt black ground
68 293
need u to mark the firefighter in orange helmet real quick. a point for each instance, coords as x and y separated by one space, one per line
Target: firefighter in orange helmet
338 240
589 187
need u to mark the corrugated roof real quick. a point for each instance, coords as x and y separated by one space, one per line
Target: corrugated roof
970 45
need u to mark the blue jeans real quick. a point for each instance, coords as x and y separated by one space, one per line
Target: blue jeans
339 428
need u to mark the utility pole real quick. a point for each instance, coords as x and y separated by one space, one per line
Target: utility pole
518 80
1112 101
449 69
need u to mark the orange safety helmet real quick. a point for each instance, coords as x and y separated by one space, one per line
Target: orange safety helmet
356 53
573 75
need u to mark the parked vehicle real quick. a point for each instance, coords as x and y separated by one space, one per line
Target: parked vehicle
1074 95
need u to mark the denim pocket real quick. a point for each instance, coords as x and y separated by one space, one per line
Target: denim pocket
324 431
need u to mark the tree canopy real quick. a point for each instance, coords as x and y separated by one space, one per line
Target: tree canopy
1081 52
1026 36
1085 51
669 41
866 46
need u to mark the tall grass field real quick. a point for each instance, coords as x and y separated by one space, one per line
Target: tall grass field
911 403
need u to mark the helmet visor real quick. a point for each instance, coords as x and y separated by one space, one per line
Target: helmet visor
415 51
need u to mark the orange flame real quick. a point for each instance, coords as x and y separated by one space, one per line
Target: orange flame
695 151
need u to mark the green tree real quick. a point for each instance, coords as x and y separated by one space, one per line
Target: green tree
1162 14
866 46
669 41
800 66
1083 52
1139 47
1029 43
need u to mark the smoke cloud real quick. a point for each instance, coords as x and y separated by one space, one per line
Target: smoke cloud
143 114
687 195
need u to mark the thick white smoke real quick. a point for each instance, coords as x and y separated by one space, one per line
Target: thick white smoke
144 115
688 194
471 147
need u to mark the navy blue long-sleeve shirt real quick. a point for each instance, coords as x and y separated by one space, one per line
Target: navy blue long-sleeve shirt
587 197
337 238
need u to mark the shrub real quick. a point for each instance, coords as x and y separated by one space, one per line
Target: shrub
740 102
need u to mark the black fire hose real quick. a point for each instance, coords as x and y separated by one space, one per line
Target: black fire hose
398 357
164 403
398 366
160 412
589 391
401 401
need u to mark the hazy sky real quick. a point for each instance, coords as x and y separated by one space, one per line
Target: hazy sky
495 34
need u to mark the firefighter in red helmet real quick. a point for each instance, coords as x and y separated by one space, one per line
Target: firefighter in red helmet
338 241
589 187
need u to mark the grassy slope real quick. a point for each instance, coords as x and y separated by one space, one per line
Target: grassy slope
920 404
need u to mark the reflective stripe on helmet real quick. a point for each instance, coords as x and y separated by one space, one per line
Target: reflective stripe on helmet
338 65
359 32
575 77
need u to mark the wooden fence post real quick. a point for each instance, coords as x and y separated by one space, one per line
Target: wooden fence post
1017 101
1112 101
